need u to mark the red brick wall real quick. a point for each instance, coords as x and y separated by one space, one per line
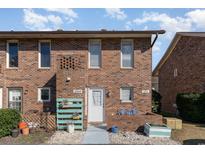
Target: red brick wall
189 59
110 77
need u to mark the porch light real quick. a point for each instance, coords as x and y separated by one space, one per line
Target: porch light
68 79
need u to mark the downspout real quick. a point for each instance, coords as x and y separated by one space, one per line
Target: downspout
154 40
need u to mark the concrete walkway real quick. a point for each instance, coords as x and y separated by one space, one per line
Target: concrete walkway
96 135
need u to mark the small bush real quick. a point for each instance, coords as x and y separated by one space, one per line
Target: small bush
191 106
156 104
9 119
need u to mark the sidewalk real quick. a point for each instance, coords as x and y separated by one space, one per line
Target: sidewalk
96 135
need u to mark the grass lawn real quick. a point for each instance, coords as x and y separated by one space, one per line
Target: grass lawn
35 138
190 134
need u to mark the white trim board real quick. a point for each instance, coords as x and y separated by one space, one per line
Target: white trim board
1 98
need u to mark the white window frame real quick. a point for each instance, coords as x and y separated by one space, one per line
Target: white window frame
175 72
39 94
89 42
132 95
1 97
121 63
7 53
39 53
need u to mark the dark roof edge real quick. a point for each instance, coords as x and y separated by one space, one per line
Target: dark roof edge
85 32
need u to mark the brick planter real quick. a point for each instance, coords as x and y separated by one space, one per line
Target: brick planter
133 123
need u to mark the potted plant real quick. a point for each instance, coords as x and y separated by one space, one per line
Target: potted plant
15 132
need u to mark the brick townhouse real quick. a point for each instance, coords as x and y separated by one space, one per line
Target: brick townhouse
108 70
182 68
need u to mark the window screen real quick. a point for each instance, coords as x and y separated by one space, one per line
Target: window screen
13 54
127 53
95 53
44 94
45 54
126 94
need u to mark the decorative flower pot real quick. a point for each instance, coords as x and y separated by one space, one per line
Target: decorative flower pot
114 129
71 128
25 131
22 125
15 132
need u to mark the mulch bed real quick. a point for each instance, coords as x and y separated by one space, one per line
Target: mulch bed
39 137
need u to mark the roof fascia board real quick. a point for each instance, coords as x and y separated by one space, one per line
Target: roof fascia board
13 35
167 54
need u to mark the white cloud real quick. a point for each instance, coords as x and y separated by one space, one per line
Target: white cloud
189 22
157 46
56 20
128 25
197 17
170 24
35 21
69 14
116 13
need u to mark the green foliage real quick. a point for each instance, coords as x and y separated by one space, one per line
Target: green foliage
191 106
156 105
9 119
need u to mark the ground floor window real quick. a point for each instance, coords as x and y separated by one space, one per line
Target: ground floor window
15 98
126 94
44 94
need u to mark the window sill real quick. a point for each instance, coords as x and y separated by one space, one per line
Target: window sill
44 68
12 68
127 68
126 102
94 68
46 101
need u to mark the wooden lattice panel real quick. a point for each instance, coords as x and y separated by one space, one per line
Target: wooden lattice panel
70 63
44 121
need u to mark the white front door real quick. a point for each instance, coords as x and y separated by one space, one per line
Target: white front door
95 105
1 98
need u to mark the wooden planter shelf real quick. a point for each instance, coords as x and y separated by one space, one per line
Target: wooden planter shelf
67 108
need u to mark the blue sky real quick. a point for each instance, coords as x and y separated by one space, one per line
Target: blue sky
171 20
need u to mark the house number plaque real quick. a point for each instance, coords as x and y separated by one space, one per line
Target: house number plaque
77 91
145 91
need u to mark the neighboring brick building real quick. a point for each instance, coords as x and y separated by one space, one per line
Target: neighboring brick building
182 69
109 70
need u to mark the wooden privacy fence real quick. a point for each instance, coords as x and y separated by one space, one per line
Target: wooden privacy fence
41 120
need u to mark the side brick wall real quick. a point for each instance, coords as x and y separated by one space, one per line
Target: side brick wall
188 57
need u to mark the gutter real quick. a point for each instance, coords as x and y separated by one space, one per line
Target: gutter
155 39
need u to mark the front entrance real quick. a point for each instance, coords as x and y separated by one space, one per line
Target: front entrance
15 98
95 105
1 98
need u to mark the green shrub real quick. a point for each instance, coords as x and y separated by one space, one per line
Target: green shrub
156 104
191 106
9 119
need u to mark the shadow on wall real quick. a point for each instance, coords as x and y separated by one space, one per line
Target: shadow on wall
51 106
194 142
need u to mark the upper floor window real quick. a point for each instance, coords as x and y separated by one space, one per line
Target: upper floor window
94 53
127 53
44 54
12 54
